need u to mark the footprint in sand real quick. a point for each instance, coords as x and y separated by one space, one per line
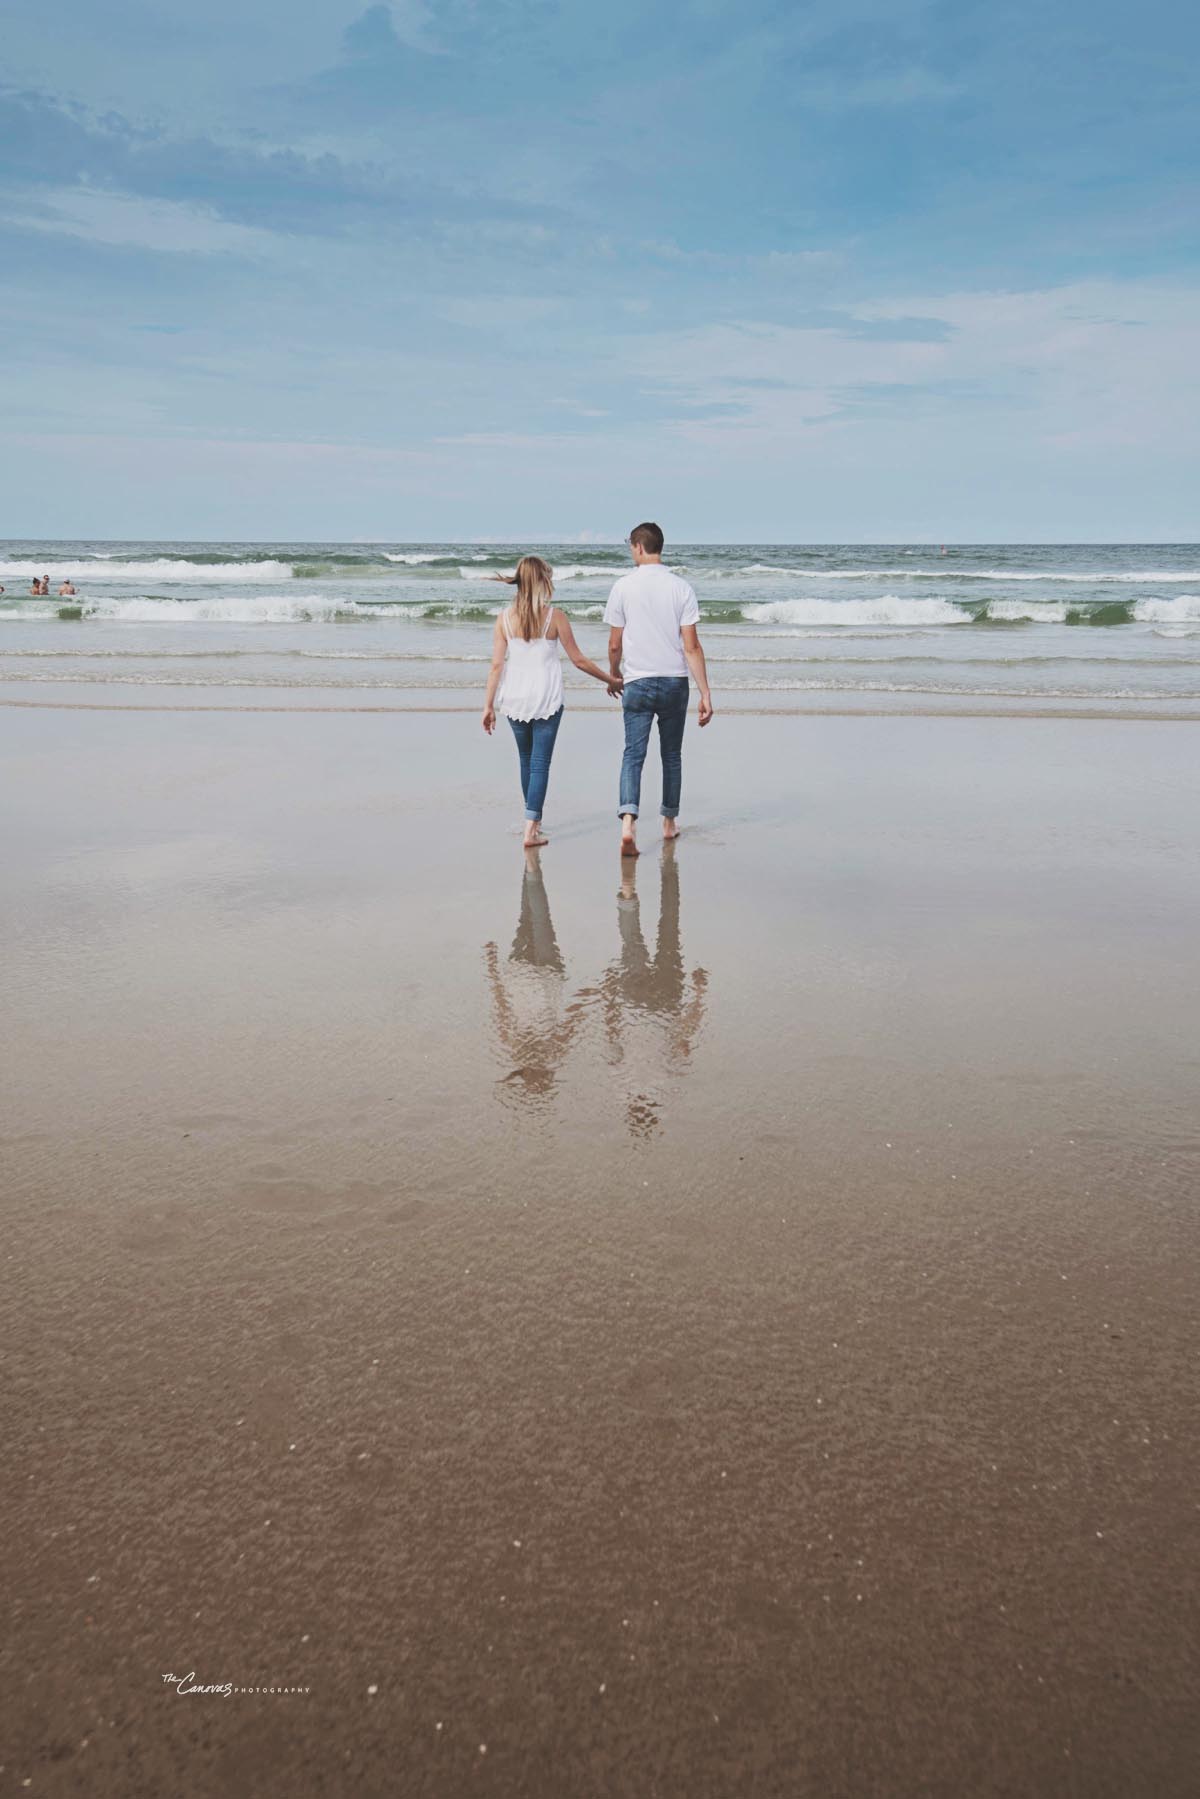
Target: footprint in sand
282 1194
290 1198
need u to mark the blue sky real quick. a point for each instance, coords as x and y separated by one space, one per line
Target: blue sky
847 270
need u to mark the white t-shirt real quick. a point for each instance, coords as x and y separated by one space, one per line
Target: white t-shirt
652 605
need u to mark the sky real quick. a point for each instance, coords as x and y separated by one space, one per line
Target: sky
819 271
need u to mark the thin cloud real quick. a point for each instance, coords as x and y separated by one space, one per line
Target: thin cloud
164 227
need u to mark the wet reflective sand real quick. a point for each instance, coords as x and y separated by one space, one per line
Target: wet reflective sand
645 1011
720 1326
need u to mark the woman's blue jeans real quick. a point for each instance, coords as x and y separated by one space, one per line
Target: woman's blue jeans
665 698
535 746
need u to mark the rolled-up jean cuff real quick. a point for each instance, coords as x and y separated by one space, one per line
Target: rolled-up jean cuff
669 811
627 811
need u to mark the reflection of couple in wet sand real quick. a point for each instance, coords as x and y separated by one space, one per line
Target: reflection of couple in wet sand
653 645
641 1003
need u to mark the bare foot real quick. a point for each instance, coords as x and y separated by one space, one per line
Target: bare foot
534 838
670 829
628 840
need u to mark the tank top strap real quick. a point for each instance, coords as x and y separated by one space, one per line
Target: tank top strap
504 624
549 621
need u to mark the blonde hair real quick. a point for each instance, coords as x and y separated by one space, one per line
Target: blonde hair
534 582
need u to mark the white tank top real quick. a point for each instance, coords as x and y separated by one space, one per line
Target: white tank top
532 684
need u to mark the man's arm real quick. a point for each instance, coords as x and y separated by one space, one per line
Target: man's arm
695 661
616 638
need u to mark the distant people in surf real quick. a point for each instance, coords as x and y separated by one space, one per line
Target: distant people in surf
653 648
525 681
66 590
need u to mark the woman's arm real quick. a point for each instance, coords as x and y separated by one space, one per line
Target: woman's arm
499 650
566 637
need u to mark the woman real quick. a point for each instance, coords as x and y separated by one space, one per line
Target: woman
536 1024
526 669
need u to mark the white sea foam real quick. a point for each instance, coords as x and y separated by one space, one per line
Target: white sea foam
825 574
808 633
1126 577
569 571
888 609
240 609
1044 612
1183 609
224 609
173 572
415 558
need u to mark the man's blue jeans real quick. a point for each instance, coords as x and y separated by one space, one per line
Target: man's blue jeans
535 746
665 698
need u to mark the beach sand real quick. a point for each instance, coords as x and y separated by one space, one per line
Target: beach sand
720 1327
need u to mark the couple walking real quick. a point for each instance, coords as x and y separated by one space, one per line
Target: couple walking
652 617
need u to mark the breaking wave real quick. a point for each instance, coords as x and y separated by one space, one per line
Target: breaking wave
570 571
1184 609
168 570
956 572
889 609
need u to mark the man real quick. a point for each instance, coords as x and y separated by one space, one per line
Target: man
652 615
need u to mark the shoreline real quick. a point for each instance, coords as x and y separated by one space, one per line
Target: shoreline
1135 711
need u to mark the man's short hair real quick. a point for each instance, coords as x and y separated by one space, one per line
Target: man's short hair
648 538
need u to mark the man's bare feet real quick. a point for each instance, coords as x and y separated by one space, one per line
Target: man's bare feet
670 829
533 835
628 840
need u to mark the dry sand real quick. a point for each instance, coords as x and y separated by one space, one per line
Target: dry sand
732 1336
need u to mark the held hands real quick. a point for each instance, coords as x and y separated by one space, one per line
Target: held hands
489 719
616 686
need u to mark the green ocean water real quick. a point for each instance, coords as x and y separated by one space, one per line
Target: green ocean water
1106 623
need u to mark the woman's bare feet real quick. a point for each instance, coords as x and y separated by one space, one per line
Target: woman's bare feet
533 834
670 829
628 840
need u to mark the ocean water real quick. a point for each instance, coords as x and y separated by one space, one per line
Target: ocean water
1112 626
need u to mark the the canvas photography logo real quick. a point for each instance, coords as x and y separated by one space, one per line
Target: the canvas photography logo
182 1684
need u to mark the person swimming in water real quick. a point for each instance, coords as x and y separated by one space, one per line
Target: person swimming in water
66 590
